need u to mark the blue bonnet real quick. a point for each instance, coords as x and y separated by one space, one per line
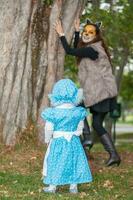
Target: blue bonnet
65 91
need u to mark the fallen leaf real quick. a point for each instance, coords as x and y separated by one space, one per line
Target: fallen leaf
108 184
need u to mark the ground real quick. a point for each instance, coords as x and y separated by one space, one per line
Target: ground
20 175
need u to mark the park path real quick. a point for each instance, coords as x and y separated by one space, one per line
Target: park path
124 128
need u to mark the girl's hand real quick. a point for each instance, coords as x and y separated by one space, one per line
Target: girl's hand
77 24
58 28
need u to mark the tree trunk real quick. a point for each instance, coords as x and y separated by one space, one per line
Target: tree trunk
119 73
31 60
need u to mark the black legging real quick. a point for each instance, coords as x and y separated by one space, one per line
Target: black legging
97 122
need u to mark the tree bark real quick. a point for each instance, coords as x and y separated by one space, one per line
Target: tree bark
31 60
24 30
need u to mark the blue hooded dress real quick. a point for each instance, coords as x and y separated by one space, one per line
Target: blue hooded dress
67 162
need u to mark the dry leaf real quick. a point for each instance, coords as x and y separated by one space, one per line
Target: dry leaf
108 184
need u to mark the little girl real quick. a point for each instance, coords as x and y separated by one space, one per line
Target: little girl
65 161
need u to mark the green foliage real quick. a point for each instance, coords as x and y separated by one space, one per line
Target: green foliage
71 68
127 88
47 2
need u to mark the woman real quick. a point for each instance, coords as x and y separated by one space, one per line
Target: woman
96 78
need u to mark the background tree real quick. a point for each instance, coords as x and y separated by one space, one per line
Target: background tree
127 90
126 94
31 59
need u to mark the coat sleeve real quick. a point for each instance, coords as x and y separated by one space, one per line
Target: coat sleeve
76 39
83 52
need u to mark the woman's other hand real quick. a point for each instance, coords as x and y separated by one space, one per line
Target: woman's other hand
77 24
58 28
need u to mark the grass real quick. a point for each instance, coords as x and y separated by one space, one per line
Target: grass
125 136
128 120
20 175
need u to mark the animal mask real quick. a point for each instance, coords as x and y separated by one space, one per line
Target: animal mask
90 31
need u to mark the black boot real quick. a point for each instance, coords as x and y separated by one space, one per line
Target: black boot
110 148
87 139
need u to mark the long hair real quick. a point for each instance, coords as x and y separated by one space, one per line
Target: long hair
96 39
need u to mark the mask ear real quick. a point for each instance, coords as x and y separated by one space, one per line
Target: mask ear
88 21
98 24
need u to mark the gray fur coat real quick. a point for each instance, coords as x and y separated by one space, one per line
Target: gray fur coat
96 77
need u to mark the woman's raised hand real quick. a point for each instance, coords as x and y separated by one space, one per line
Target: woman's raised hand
58 28
77 24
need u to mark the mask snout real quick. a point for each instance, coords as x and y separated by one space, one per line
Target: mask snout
89 33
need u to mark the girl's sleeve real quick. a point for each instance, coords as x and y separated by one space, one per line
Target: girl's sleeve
83 113
84 52
48 115
49 127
